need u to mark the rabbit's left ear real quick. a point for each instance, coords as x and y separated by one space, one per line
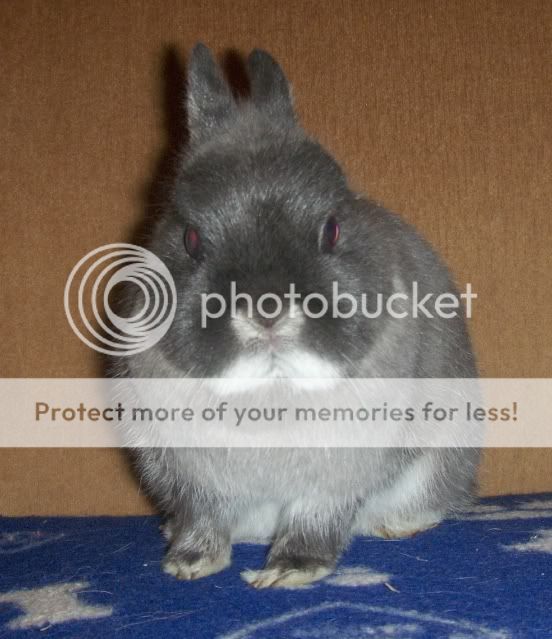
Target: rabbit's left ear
209 99
270 89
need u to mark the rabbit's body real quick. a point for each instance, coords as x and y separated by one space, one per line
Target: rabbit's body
260 193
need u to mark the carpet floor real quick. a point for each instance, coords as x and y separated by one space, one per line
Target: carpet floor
487 575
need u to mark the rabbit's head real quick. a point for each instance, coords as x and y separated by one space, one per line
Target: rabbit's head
261 232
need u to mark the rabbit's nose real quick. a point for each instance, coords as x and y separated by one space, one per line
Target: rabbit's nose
268 322
271 311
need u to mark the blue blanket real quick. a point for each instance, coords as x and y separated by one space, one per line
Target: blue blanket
487 575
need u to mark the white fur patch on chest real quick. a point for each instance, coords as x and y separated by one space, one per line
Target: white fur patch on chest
308 371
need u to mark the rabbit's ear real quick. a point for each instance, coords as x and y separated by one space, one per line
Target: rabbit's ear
270 89
209 99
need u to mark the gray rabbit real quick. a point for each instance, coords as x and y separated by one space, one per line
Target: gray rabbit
258 202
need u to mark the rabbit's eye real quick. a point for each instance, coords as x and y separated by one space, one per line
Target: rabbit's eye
331 232
192 242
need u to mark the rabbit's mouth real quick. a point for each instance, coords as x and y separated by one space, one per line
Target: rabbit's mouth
305 370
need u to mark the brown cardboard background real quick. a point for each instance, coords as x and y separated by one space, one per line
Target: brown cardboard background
440 110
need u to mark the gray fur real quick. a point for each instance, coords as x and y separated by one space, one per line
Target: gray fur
260 191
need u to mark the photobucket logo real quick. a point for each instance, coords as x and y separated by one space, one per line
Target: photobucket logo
400 304
90 285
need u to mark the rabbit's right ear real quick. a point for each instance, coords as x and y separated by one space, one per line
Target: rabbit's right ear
209 99
270 89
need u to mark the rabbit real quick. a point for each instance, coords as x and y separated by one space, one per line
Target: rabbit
257 201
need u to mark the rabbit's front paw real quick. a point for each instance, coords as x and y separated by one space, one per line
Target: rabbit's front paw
287 573
188 565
